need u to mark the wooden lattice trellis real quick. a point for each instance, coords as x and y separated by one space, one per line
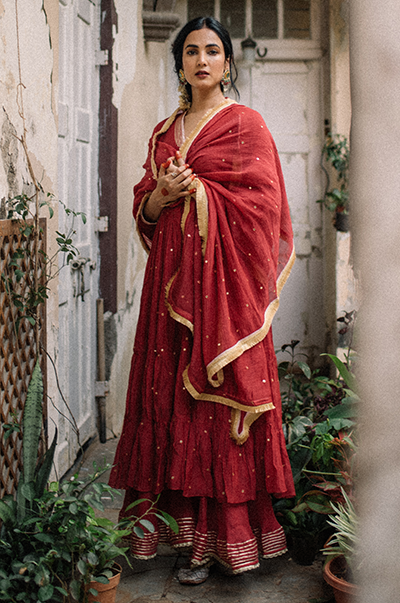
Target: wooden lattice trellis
17 351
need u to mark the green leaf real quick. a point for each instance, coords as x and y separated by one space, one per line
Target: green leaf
45 538
138 531
148 525
170 521
73 508
340 424
318 508
28 491
135 503
7 514
292 517
299 426
82 566
45 592
5 584
92 558
43 473
305 368
32 423
344 410
75 589
102 579
346 375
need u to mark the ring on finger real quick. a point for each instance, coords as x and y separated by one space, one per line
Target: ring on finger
174 174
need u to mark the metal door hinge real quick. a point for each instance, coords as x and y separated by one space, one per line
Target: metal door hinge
101 224
101 389
102 57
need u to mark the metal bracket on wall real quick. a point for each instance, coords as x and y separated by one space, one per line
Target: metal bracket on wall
101 389
101 224
102 57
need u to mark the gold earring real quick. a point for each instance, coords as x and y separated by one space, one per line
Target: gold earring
184 100
226 78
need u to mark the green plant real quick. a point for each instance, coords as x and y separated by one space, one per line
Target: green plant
337 153
345 537
52 544
338 450
28 289
302 386
318 419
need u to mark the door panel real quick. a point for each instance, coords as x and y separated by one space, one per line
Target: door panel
288 96
78 189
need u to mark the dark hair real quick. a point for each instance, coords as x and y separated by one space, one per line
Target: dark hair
222 33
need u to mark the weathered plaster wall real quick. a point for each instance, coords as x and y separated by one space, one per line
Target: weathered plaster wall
144 94
340 68
347 289
33 59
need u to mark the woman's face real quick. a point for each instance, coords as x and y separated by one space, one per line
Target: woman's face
203 59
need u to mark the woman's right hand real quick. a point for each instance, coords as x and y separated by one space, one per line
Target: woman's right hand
173 183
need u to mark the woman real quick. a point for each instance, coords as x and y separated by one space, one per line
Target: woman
203 418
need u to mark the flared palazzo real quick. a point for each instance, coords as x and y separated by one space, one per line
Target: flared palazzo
232 534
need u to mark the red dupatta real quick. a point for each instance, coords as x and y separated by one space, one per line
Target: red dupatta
237 253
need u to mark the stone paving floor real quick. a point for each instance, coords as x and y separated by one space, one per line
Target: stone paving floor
278 580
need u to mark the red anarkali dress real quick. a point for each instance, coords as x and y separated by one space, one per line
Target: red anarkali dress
203 413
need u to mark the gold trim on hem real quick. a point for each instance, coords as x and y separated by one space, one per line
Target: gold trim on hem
214 556
272 555
142 556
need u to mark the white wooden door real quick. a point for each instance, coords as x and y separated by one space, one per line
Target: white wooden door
287 94
286 88
78 189
284 84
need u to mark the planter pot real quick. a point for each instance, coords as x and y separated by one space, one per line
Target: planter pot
303 549
106 592
343 591
342 222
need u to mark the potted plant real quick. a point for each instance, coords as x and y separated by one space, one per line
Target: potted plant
342 563
318 416
53 547
336 152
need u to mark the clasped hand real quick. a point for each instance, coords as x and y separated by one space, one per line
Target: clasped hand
174 181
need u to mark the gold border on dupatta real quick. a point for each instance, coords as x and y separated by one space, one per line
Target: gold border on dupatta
201 195
138 215
221 399
252 339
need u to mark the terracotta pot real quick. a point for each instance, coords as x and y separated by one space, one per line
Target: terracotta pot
343 591
106 592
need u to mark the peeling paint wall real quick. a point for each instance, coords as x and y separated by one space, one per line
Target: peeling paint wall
347 289
33 59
